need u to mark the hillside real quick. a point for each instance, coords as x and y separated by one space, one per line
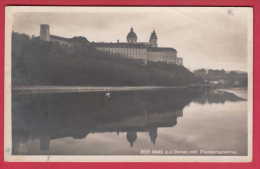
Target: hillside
222 78
37 62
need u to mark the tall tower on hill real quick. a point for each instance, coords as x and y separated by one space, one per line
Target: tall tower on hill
45 32
153 39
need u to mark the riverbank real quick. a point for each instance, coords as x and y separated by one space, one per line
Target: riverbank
240 92
79 89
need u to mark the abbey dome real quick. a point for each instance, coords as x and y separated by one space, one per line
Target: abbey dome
131 36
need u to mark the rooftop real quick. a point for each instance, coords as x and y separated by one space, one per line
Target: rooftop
159 49
120 45
60 38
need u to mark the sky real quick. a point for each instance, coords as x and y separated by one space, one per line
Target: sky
205 37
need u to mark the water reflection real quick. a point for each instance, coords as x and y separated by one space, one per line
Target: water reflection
45 117
217 96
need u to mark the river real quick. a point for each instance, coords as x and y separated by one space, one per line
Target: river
160 122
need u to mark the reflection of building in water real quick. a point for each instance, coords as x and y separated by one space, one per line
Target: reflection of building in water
44 143
217 96
148 123
153 134
131 137
49 117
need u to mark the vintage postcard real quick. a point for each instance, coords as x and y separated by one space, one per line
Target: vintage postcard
134 84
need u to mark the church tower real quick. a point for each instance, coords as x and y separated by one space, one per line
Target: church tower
45 32
153 39
131 36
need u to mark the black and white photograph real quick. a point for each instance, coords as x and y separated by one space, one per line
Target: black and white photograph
128 84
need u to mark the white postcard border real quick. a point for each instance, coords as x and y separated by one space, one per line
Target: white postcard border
11 10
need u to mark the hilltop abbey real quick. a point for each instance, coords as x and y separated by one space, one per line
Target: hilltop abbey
145 51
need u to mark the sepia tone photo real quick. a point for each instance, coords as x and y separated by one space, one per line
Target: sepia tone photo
128 84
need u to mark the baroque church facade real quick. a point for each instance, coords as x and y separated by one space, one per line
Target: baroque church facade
145 51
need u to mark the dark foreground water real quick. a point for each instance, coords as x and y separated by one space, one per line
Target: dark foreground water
160 122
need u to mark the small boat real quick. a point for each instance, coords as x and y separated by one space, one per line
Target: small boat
108 94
